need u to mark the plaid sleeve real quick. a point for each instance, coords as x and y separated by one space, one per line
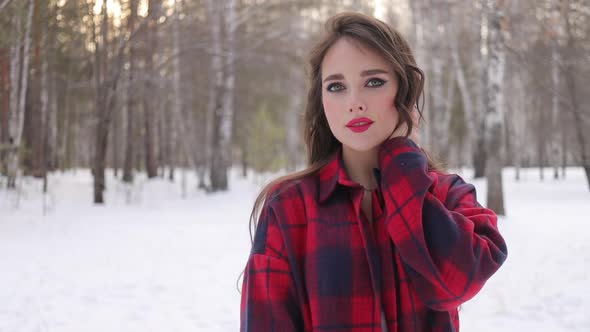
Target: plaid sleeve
268 295
450 245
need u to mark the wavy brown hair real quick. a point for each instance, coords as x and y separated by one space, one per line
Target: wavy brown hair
319 140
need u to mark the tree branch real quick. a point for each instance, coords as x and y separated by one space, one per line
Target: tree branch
4 3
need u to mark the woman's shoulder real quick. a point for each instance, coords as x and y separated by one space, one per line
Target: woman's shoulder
288 190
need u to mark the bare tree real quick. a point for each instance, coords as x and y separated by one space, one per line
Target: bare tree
150 89
19 80
131 97
480 152
4 3
222 99
555 80
215 90
574 97
495 108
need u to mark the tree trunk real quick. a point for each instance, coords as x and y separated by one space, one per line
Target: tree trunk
15 118
65 124
102 127
4 105
495 109
575 104
116 139
213 104
52 130
227 116
563 152
555 81
479 153
178 134
128 163
18 94
150 88
33 139
217 105
44 133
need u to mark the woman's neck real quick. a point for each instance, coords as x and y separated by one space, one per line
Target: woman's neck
360 164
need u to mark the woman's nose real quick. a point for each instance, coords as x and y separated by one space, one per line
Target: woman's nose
357 106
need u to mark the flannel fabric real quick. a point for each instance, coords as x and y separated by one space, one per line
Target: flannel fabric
318 264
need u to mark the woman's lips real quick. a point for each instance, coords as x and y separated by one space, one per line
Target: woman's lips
359 125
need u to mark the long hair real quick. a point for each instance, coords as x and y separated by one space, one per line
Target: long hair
319 140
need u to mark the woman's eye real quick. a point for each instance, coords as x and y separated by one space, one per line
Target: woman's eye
335 87
375 82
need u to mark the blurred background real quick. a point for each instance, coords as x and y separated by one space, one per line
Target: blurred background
135 135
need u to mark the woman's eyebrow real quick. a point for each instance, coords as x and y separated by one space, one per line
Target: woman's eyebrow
370 72
334 77
367 72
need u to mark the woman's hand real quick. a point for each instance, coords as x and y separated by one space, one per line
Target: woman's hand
396 139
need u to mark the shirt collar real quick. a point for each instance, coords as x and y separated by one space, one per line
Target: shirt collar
333 174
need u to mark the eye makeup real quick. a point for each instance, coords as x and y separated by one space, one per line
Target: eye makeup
337 87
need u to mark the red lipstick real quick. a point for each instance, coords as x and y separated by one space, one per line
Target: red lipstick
359 125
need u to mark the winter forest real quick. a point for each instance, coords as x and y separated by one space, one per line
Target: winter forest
120 115
160 85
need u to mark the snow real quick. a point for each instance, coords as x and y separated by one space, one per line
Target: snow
151 260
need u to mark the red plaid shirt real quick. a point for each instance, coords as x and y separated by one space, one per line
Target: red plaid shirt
318 264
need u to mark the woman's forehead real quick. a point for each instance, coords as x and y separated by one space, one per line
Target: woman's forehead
350 57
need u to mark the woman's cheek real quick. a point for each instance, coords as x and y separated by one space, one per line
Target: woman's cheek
331 109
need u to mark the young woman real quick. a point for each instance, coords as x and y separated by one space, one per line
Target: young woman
371 236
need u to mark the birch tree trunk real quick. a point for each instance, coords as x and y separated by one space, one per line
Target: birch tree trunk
44 107
223 115
150 90
67 125
177 102
19 92
220 181
479 152
52 94
215 90
15 118
555 82
494 114
179 138
115 139
575 105
131 99
4 104
102 128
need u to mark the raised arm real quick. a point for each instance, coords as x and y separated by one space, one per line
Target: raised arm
450 244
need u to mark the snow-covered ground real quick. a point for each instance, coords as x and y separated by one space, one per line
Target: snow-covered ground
151 260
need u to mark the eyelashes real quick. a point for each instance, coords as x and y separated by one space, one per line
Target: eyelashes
335 87
371 83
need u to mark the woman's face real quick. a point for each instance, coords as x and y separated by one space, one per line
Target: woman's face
358 92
